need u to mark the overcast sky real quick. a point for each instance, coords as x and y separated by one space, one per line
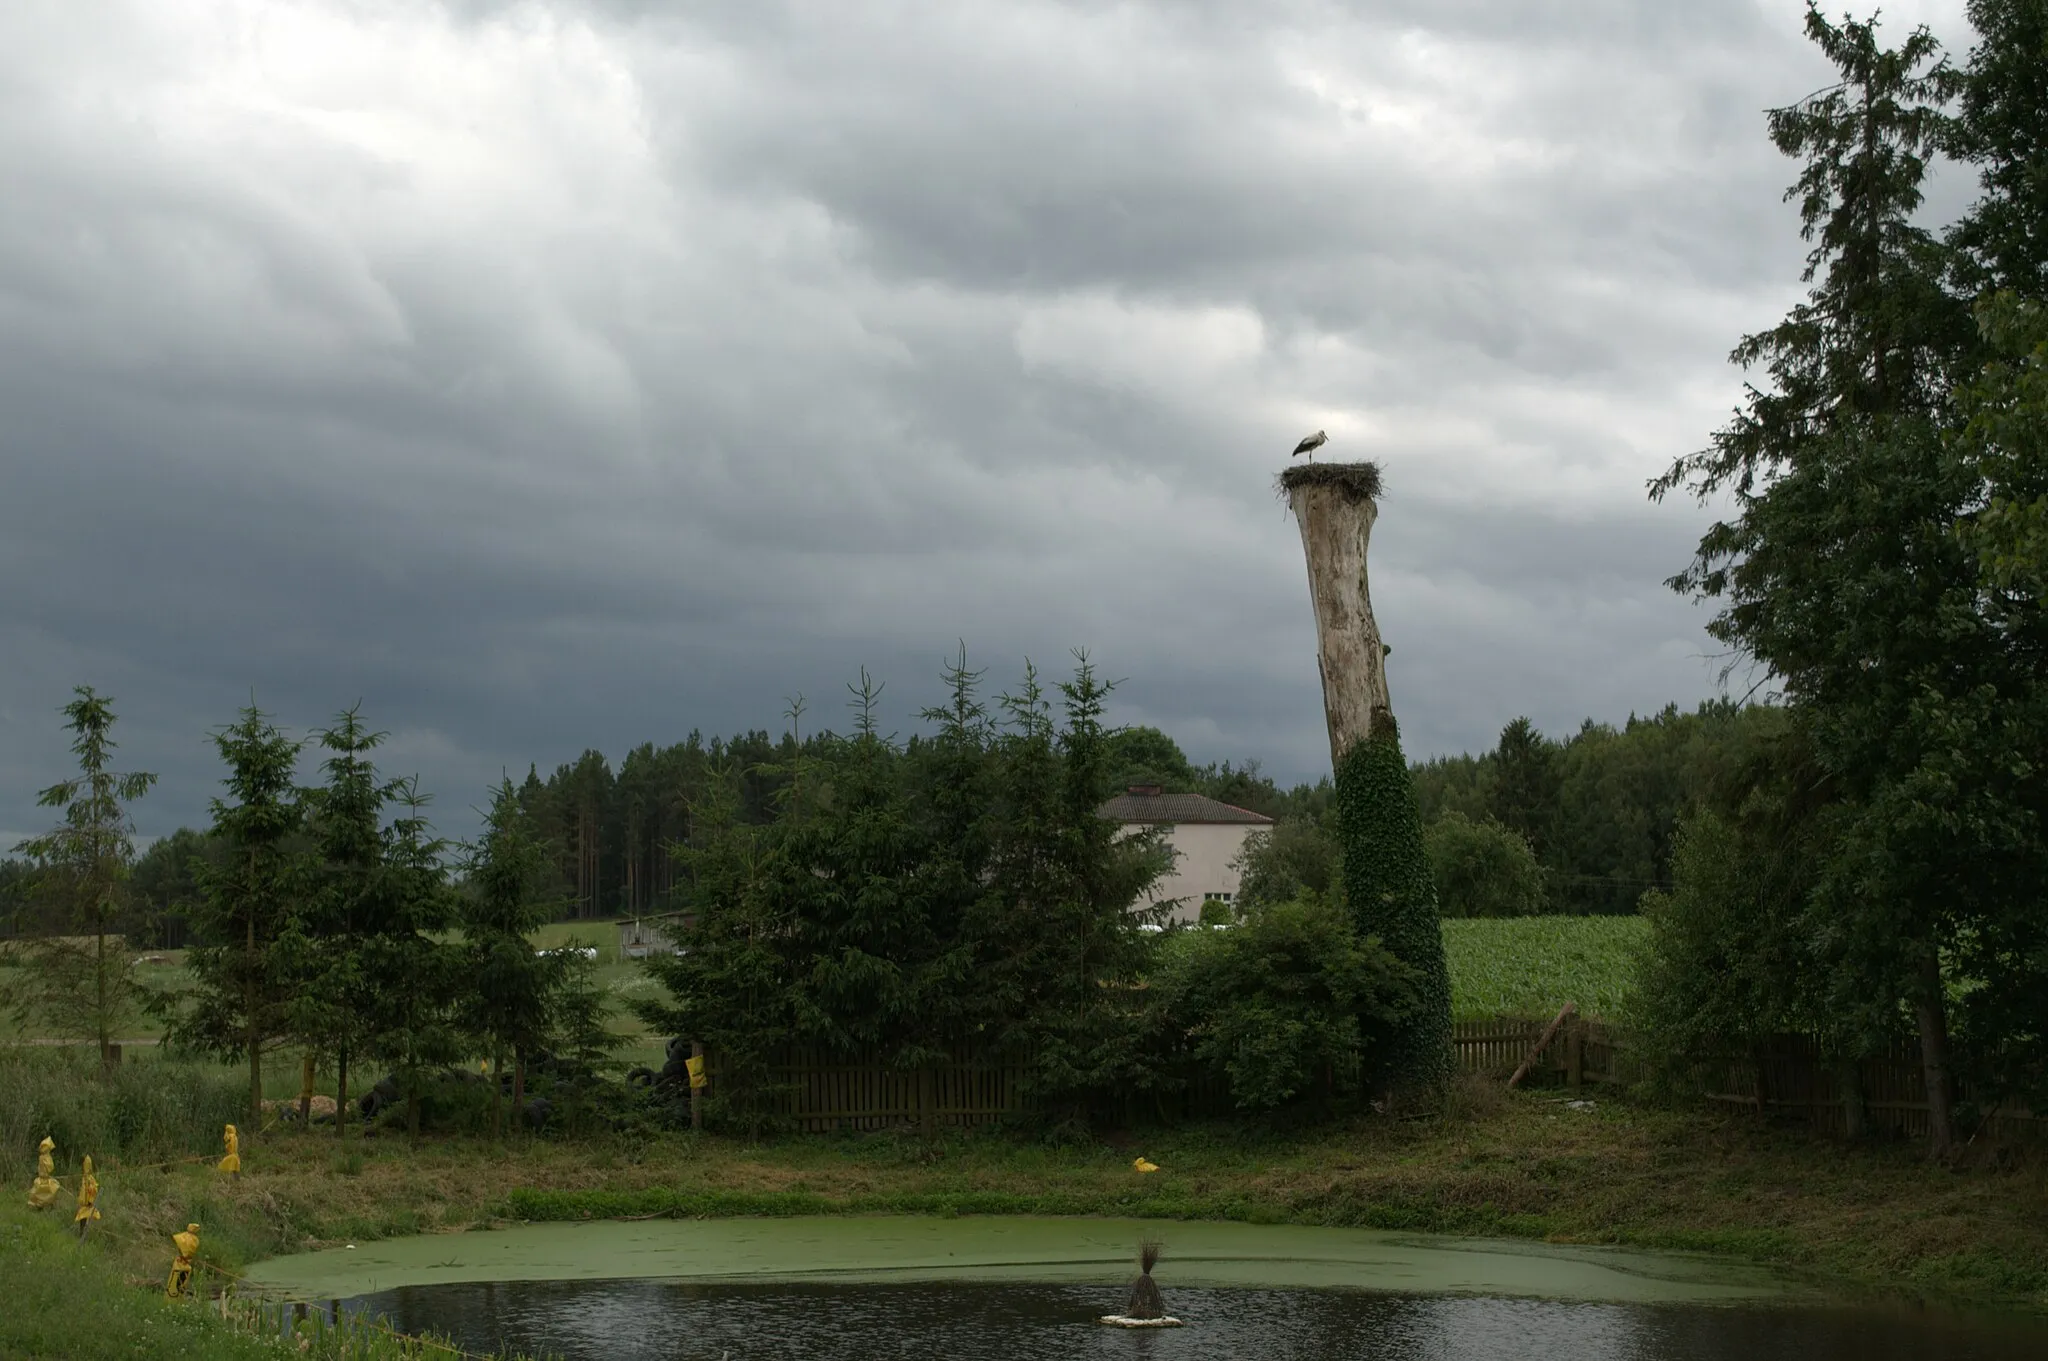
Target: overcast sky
552 376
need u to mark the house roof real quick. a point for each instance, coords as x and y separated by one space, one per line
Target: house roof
1177 808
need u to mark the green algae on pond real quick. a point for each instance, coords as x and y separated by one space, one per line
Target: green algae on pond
891 1248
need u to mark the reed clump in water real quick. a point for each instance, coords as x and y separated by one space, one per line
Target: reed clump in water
1146 1302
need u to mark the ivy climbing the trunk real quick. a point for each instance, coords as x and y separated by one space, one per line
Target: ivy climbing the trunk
1392 895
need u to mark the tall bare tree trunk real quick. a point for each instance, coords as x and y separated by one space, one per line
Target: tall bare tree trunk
1333 504
518 1088
249 1017
99 978
1931 1011
340 1089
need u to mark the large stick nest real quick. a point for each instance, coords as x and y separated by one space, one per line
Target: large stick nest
1358 480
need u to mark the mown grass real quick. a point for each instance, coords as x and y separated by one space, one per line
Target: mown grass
1531 966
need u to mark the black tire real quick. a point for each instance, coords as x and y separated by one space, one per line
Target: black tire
642 1076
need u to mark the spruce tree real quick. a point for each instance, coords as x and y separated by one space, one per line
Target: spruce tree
410 976
1072 954
248 882
323 949
511 894
1391 892
1525 784
730 986
83 987
859 905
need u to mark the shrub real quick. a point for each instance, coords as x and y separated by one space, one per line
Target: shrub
1482 869
1298 855
1286 1003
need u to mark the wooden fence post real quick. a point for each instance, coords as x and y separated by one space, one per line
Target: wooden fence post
1569 1009
1575 1054
1855 1118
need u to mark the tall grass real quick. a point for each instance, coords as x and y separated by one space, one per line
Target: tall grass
147 1110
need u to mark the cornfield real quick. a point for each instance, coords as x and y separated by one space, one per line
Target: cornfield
1531 966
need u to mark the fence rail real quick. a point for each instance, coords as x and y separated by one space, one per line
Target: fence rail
1786 1077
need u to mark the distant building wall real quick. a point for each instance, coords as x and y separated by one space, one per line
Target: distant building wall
1202 868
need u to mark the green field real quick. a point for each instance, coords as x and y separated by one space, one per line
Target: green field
1531 966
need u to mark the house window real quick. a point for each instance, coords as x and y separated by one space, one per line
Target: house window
1217 897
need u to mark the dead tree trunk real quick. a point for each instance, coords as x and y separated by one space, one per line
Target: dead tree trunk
1335 507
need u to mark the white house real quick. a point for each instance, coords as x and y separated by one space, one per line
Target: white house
1206 836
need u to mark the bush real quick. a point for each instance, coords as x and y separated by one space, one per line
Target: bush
1286 1003
1482 869
1297 856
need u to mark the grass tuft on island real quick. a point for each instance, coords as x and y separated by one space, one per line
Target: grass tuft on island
1521 1165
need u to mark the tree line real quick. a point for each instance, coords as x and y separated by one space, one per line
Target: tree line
1583 824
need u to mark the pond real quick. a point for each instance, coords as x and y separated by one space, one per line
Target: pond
1019 1289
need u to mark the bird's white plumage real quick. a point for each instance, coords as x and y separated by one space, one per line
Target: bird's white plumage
1311 444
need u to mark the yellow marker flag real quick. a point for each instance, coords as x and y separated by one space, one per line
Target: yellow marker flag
696 1066
88 1198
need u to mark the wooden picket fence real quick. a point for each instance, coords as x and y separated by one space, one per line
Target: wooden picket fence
818 1092
1786 1078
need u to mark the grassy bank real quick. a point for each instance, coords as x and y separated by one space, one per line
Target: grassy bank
79 1302
1520 1165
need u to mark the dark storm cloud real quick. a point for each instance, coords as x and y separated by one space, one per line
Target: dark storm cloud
576 375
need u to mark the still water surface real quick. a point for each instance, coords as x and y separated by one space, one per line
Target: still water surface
624 1320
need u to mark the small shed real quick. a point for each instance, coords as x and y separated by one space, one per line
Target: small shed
642 936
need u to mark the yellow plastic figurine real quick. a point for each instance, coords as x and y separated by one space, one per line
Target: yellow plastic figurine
187 1244
42 1192
88 1199
232 1164
1144 1165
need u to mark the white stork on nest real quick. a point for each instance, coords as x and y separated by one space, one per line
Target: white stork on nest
1310 445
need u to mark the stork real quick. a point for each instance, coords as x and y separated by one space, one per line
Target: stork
1310 445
